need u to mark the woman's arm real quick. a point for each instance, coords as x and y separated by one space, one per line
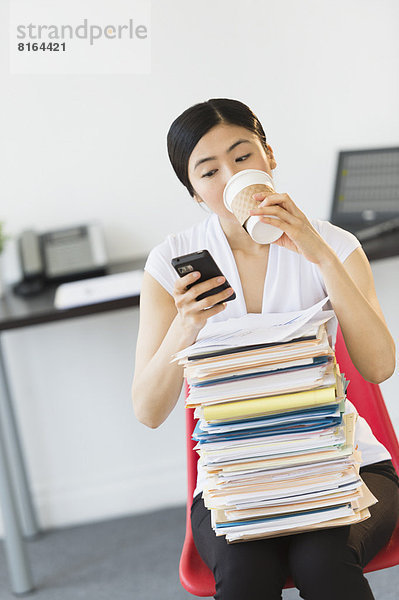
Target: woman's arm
350 287
168 324
157 382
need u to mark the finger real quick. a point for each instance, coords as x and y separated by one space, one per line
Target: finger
284 226
182 283
274 200
275 210
195 312
205 286
262 195
214 310
215 298
283 200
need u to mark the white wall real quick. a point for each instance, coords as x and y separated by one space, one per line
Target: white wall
321 78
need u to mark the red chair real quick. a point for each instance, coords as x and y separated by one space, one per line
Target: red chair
196 577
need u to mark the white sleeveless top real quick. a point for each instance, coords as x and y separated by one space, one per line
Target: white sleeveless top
291 283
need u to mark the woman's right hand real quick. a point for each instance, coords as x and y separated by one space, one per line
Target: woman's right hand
195 313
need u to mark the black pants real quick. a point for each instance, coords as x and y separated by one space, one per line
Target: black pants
325 565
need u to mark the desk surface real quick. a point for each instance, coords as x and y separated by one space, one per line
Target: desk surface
16 311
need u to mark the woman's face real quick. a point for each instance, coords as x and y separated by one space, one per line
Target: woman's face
220 153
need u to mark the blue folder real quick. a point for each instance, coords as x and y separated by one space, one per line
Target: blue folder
321 411
204 437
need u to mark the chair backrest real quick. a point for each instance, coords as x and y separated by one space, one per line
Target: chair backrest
195 576
368 400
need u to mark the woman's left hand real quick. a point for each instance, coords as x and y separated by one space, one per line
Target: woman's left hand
299 234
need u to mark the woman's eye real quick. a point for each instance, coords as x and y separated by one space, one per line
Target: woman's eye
240 158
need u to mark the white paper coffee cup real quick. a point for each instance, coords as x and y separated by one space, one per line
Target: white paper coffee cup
237 197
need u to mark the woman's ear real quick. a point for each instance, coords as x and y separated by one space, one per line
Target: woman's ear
270 156
201 203
197 198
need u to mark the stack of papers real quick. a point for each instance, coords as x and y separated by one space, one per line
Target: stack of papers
273 436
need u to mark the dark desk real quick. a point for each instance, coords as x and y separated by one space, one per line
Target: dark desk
15 498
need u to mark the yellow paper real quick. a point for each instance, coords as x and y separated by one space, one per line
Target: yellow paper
257 407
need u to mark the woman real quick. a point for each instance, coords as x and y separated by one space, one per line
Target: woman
207 144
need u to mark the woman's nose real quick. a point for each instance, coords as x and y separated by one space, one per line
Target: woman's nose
230 171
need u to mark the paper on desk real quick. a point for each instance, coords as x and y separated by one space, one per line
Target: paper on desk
98 289
254 328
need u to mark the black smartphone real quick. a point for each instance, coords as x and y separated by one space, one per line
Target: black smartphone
203 262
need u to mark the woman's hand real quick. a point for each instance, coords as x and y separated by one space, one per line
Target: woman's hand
299 234
195 313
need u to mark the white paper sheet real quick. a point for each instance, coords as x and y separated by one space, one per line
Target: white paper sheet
254 328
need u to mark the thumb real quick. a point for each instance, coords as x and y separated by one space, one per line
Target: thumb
259 196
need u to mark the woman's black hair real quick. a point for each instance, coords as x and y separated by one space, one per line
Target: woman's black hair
188 128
